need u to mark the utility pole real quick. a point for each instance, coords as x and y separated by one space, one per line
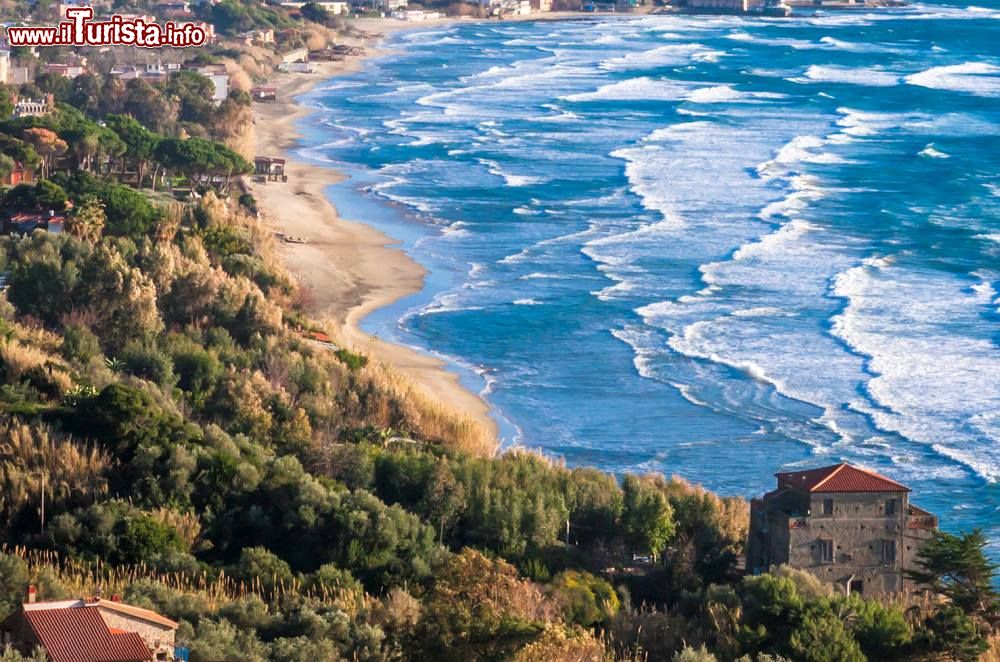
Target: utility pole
43 502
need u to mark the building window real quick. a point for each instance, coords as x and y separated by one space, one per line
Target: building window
890 506
826 551
827 506
888 551
856 587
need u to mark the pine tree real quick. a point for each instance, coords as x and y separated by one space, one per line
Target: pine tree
956 568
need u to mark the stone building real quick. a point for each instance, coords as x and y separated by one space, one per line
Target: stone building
850 527
92 630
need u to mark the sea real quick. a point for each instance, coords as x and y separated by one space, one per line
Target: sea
709 246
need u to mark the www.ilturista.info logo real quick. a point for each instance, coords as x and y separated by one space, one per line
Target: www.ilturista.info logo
79 30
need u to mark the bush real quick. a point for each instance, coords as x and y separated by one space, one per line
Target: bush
248 202
129 213
80 344
147 362
585 599
145 539
351 360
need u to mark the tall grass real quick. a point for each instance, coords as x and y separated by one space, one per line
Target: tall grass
72 472
85 579
436 420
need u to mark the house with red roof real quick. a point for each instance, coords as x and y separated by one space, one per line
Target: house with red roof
17 175
850 527
92 630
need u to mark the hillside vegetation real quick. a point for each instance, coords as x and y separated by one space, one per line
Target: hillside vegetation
202 450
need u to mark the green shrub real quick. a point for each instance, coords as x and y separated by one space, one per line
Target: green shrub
351 360
147 362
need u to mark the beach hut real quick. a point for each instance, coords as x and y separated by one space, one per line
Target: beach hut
264 94
271 169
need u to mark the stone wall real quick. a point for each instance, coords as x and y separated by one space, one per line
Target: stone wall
159 638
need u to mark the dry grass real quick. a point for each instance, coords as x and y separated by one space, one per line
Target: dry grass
19 359
72 471
992 654
85 578
435 420
187 525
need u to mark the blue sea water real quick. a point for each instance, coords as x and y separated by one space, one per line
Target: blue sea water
709 246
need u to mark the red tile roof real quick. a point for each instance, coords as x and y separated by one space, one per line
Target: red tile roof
80 635
839 478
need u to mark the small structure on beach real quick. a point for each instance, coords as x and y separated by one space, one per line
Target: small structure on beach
297 67
325 55
848 526
270 168
264 94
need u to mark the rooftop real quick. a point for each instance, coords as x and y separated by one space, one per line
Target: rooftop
81 635
839 478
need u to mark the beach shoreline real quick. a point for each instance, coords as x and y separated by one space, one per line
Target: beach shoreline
348 268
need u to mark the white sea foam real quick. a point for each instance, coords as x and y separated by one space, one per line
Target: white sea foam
661 56
727 94
797 44
861 123
858 47
511 179
642 341
932 152
936 373
527 302
634 89
537 275
799 150
867 76
978 78
527 211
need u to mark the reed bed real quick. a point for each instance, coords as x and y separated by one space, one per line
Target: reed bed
90 578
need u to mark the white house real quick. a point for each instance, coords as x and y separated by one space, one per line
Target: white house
415 15
334 7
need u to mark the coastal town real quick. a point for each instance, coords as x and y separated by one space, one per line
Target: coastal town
205 458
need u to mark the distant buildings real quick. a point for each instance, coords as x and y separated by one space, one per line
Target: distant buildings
34 107
9 74
335 7
150 71
18 175
296 55
220 80
71 67
741 6
270 168
509 7
763 7
264 94
173 8
848 526
415 15
27 222
155 72
258 36
91 630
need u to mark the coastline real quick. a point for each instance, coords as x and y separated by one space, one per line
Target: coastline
349 268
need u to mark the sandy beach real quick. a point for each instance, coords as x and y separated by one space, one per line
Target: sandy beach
349 268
